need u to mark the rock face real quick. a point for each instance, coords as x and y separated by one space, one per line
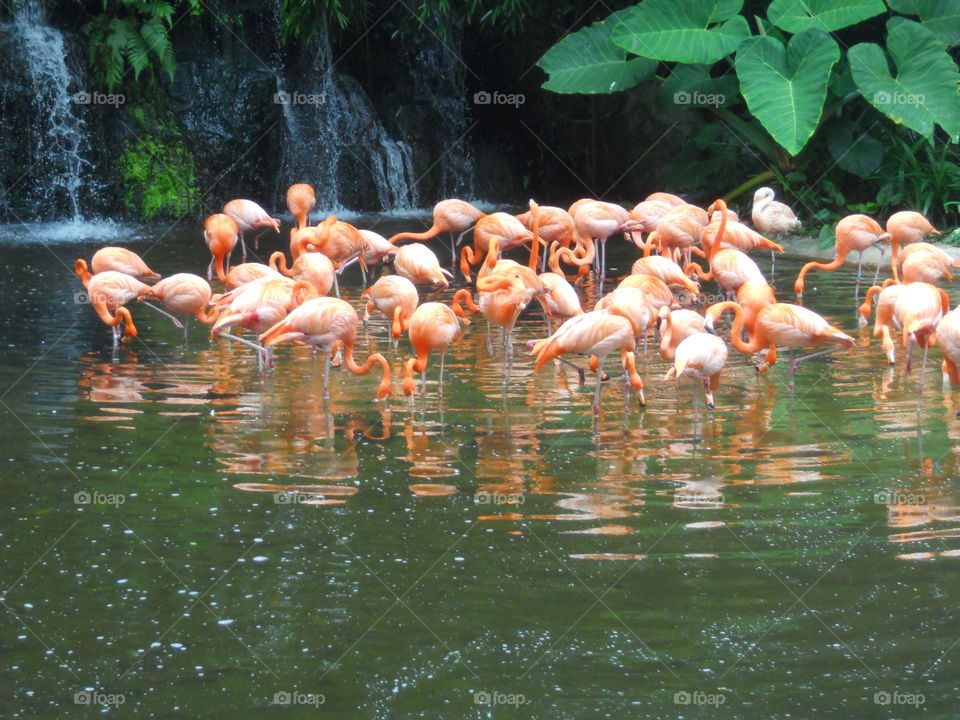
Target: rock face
228 120
254 120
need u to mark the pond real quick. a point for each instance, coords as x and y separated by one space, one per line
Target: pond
184 538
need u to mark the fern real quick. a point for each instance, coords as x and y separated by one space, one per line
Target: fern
134 35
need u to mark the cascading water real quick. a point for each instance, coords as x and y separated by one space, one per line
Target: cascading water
56 141
334 140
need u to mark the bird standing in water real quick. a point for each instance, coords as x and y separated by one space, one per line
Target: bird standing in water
324 323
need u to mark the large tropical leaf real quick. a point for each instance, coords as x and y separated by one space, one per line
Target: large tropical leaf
852 149
689 31
785 87
691 86
587 62
795 16
923 92
940 16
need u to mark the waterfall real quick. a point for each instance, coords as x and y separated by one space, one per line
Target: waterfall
334 140
56 141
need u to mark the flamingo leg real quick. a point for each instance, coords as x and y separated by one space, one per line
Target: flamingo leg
176 322
923 367
326 375
336 285
210 270
443 357
581 373
261 351
243 249
796 361
596 392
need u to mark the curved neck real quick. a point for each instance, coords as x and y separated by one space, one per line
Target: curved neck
384 388
756 340
278 261
464 294
535 243
82 271
433 231
715 248
617 311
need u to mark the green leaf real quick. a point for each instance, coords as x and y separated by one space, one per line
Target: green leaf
689 31
785 87
855 151
587 62
940 16
691 86
795 16
924 91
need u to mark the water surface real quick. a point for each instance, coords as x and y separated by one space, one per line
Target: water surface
204 543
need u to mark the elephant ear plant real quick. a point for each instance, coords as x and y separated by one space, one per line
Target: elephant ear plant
780 80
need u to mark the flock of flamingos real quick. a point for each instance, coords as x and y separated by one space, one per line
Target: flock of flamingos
280 302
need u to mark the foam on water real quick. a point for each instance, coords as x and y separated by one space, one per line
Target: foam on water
69 231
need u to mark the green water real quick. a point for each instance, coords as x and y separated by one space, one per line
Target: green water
786 555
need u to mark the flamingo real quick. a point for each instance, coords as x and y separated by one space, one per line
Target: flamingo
418 264
324 323
182 293
853 233
675 327
919 309
668 271
502 228
735 235
249 217
117 259
432 326
886 303
597 333
258 306
594 222
923 262
633 303
648 212
108 292
502 297
915 308
394 296
220 233
340 241
781 324
244 273
680 229
556 226
906 227
656 290
453 216
948 338
375 249
728 266
700 356
314 268
772 216
559 299
301 199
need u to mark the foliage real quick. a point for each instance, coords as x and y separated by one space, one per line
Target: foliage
308 19
157 170
133 35
782 79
